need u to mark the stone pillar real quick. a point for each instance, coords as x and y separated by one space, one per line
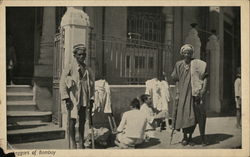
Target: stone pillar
216 64
45 61
213 50
43 73
75 25
168 41
194 40
47 39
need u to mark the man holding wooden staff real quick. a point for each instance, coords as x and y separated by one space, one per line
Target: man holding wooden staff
77 91
191 77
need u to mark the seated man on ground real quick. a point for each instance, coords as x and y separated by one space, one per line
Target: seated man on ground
132 127
147 111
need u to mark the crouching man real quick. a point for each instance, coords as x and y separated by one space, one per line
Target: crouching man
132 127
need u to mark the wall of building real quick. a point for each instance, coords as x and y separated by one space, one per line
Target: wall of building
229 59
121 96
183 17
43 68
190 15
215 76
115 25
96 17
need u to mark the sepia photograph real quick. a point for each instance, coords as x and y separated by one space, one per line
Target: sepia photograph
83 77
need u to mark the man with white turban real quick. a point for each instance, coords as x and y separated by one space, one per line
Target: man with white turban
191 81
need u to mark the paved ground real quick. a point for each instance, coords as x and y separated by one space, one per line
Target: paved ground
221 133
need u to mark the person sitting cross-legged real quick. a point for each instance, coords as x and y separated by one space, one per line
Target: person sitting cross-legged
131 130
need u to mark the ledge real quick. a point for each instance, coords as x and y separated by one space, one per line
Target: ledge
133 86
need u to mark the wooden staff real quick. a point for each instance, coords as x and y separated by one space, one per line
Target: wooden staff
68 127
91 126
174 119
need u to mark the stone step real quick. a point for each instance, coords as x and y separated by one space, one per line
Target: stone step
24 132
19 96
19 88
21 106
19 116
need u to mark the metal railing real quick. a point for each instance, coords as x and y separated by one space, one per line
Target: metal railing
130 61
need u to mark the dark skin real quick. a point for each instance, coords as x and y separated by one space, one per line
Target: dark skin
149 101
80 56
187 54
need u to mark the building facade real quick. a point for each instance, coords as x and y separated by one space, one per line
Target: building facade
128 45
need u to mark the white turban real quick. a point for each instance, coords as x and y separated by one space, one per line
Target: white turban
187 47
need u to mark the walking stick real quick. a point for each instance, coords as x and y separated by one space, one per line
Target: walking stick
172 134
91 126
68 126
112 123
174 120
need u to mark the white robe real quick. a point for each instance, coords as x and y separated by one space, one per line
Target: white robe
198 69
102 97
159 91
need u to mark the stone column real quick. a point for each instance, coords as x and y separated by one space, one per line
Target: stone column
76 27
75 24
43 72
168 41
45 61
168 11
213 50
47 39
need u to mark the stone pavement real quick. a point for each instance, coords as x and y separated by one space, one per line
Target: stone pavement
221 133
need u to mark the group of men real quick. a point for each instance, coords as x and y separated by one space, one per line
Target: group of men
137 124
77 90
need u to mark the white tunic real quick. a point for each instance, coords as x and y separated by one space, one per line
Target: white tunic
102 97
159 91
133 124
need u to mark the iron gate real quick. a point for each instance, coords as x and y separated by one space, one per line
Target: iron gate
130 61
57 70
120 61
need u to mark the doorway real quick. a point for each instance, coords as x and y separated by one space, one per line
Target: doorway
228 69
20 25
